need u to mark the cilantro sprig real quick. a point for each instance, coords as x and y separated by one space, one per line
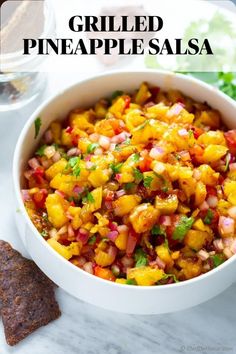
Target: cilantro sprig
208 218
140 258
183 226
37 126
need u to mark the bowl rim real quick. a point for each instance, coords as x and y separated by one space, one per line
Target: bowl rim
17 190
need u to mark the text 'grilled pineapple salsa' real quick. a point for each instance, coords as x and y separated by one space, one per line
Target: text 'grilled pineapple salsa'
139 189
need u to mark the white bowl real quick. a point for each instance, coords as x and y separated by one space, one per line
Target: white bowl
82 285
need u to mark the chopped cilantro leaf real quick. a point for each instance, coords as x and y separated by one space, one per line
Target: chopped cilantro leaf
127 141
73 163
37 125
44 233
164 189
92 240
147 181
131 282
135 157
217 260
40 151
116 94
157 230
92 147
116 168
88 198
138 175
166 276
129 186
143 125
140 258
209 216
182 227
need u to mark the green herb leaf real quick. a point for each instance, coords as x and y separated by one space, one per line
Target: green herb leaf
129 186
116 94
208 218
157 230
136 157
92 240
40 151
138 175
116 168
127 141
140 258
37 125
182 228
131 282
92 147
166 276
217 260
44 233
74 164
147 181
88 198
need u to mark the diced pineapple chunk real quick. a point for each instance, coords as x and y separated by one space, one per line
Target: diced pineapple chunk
82 121
118 107
125 204
196 239
143 94
121 281
200 193
66 138
212 137
56 207
103 258
97 199
164 254
208 175
121 240
57 167
210 118
145 276
65 251
229 187
56 132
144 217
134 119
213 153
98 178
168 205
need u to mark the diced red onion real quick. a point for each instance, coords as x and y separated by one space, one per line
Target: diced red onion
98 151
227 252
118 176
33 163
88 157
204 206
120 138
88 267
165 220
78 189
160 263
80 261
232 212
69 216
232 167
203 255
212 201
227 241
89 164
122 229
56 157
28 174
112 235
159 167
108 205
48 137
182 132
112 226
185 156
120 193
53 233
156 153
127 261
94 137
115 269
60 193
131 243
73 152
71 232
226 225
218 244
82 235
104 142
47 163
62 230
49 151
112 147
25 195
175 110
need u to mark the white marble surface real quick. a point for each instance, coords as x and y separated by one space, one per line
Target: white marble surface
82 328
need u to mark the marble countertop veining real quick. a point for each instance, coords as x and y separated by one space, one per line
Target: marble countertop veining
83 328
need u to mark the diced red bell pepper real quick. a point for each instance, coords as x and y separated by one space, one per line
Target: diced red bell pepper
145 164
230 137
104 273
39 198
131 242
127 102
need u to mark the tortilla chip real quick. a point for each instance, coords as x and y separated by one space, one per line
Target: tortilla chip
27 295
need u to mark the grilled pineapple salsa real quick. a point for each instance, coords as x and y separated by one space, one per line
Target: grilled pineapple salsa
139 189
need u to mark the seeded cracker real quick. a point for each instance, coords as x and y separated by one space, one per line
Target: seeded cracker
27 295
